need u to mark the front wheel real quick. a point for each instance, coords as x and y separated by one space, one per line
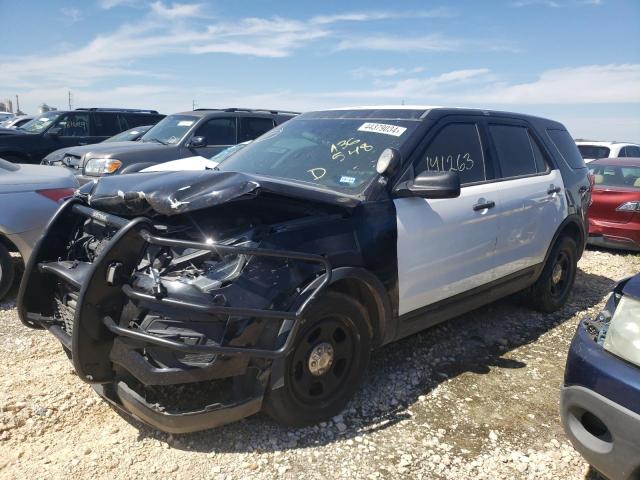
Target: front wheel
327 363
552 289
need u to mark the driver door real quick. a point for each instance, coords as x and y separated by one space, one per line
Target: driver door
448 246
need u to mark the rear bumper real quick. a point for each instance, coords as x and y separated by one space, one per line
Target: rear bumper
604 429
624 236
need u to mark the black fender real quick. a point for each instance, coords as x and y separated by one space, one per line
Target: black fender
384 329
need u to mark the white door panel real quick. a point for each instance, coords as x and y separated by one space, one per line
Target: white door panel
529 218
444 246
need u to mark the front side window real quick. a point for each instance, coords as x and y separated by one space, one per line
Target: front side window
518 153
457 147
335 153
74 125
170 130
41 122
218 131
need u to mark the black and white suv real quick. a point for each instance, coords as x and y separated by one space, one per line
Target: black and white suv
266 283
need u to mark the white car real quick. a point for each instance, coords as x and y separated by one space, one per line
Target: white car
591 151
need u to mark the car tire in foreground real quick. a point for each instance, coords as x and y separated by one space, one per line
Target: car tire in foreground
553 287
326 365
7 271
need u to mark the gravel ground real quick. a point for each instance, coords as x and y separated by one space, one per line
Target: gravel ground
475 397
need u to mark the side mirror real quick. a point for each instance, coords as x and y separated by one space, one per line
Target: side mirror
431 185
197 142
54 131
388 161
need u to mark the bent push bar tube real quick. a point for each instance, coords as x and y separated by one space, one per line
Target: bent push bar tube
218 249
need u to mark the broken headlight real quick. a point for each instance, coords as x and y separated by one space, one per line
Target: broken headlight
623 335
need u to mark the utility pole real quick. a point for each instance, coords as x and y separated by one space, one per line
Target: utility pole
70 98
193 104
17 105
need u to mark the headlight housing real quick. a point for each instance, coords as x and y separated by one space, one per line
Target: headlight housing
56 156
623 336
101 166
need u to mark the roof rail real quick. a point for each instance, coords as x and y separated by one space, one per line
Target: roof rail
258 110
130 110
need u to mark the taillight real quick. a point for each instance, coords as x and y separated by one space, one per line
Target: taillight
629 207
57 194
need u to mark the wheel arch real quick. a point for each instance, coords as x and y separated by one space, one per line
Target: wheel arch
572 227
365 287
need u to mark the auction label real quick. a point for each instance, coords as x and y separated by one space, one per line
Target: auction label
385 128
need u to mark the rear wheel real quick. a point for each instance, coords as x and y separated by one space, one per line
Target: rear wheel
327 364
553 287
7 271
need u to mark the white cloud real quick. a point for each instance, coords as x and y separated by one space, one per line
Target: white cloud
365 72
433 42
71 13
176 10
370 16
109 4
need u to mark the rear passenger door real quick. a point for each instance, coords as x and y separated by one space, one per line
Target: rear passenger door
447 246
530 192
253 127
105 125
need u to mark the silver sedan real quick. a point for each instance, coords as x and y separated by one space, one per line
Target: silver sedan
29 196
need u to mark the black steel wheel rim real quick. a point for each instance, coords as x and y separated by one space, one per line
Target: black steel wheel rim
309 388
560 275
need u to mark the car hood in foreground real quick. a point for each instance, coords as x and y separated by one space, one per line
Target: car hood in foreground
30 177
180 192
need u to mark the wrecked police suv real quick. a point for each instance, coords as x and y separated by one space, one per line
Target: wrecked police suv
192 299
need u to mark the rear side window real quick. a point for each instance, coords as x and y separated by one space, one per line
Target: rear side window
130 120
457 147
593 151
253 127
518 154
218 131
566 147
106 124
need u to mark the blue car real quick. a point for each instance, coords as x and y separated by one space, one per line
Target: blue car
600 399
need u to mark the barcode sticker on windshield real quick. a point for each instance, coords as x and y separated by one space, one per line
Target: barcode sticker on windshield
385 128
185 123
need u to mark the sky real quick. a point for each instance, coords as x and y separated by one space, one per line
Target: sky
575 61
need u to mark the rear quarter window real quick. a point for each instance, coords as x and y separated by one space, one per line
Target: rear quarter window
566 147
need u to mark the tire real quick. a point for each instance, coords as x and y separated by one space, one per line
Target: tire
7 271
553 287
313 390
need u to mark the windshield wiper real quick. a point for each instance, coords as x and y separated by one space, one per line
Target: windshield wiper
158 140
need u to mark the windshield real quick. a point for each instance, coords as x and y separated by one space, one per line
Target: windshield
41 122
340 154
615 176
593 151
170 130
128 135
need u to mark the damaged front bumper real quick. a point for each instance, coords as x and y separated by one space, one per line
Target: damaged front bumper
112 352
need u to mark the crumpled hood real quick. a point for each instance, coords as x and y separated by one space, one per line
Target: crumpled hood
179 192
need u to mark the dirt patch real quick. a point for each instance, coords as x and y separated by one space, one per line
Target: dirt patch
475 397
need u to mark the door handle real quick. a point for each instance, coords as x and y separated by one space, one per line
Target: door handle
553 189
83 143
484 205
